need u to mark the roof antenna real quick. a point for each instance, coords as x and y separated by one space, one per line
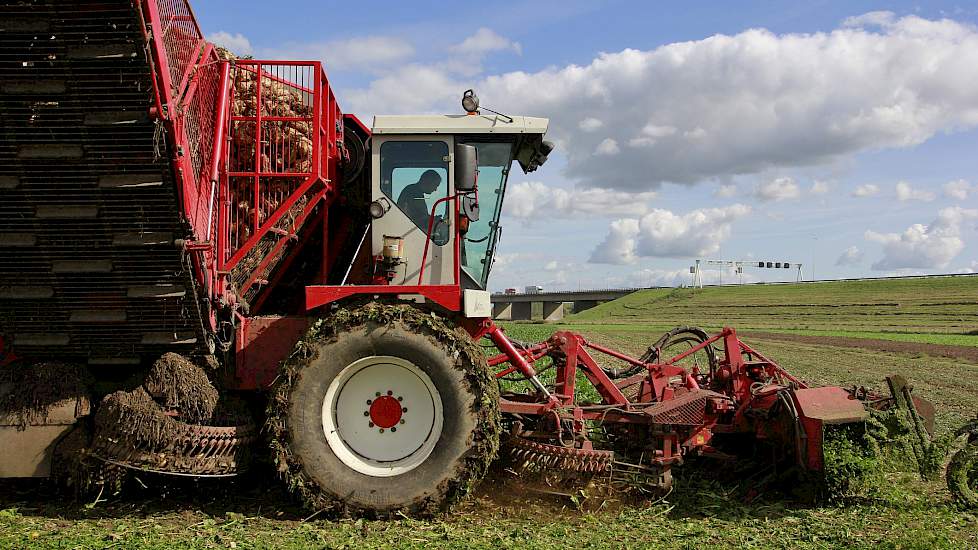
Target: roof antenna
470 102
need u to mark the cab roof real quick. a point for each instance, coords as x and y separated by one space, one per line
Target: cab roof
458 124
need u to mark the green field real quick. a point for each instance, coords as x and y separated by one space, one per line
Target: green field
900 511
940 310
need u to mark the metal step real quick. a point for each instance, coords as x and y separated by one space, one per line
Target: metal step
88 201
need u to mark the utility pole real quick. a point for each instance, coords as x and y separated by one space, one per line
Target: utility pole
815 239
697 275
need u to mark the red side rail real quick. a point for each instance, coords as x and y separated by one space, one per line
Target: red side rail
282 164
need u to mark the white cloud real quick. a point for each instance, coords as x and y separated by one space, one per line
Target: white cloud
650 134
486 40
657 277
362 53
618 246
551 266
725 191
778 189
905 192
590 124
851 256
697 233
608 147
756 100
972 268
661 233
958 189
740 104
533 200
924 246
237 43
819 188
873 18
429 86
866 190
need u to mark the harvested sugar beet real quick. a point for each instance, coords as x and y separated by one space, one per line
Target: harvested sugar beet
178 384
287 149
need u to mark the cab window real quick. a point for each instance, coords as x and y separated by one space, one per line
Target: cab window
480 240
414 175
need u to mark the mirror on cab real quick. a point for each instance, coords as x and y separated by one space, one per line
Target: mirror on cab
466 168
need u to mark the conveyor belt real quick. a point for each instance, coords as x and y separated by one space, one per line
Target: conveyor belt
88 201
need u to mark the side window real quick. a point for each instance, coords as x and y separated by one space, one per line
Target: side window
414 175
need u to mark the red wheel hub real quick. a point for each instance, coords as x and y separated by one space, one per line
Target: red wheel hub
385 411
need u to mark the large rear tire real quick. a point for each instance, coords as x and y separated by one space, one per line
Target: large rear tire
384 409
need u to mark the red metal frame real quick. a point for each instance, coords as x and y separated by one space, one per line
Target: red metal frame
193 91
447 296
724 397
270 70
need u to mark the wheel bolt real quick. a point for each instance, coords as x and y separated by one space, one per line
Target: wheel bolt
402 421
369 401
381 430
389 392
393 429
366 413
404 410
377 394
371 424
399 398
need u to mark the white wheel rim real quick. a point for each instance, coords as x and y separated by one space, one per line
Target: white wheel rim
382 416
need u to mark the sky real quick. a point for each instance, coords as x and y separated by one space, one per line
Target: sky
839 135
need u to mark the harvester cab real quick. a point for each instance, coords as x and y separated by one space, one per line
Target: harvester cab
437 190
436 186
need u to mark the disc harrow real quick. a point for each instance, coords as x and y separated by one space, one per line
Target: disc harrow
199 451
545 455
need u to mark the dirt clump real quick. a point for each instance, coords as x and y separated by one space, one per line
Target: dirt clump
178 384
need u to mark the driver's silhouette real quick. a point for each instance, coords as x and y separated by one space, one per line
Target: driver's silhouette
412 199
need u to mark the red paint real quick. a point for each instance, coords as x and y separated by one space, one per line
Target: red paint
385 411
446 296
708 403
261 344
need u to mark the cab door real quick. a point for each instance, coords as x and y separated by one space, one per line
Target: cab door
404 169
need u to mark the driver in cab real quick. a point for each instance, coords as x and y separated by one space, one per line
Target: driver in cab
412 199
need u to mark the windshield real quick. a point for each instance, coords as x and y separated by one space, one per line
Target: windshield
479 243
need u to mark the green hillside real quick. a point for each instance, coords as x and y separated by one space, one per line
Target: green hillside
940 310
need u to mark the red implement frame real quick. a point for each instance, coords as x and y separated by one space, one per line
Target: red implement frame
684 407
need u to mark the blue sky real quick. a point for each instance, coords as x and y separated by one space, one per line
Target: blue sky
841 135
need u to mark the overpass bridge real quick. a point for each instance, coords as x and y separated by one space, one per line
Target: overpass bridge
519 307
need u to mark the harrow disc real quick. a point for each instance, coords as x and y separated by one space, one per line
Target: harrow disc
572 465
153 441
532 454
